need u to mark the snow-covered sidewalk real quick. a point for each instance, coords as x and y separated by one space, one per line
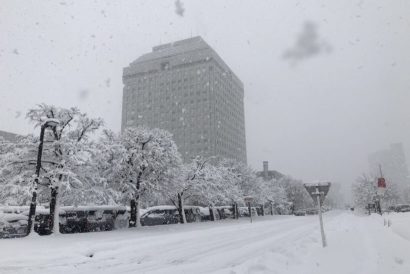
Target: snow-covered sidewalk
272 244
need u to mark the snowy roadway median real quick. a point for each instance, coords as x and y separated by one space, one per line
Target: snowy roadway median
272 244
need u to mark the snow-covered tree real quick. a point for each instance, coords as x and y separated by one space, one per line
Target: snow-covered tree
296 193
276 196
149 157
186 183
68 152
365 192
246 181
17 162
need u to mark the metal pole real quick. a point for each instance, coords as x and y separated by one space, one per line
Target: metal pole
33 204
322 231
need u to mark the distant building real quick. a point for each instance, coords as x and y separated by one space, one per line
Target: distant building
267 174
8 136
186 88
393 164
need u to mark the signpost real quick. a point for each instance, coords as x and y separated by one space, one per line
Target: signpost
318 193
248 200
381 189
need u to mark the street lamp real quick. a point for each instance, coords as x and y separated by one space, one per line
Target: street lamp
248 200
50 123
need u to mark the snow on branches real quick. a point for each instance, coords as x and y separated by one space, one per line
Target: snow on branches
140 165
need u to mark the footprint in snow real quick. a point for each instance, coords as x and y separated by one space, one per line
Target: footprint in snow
398 260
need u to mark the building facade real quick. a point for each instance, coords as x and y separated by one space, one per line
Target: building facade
393 165
186 88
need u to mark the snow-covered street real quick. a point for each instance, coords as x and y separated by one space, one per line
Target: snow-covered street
271 244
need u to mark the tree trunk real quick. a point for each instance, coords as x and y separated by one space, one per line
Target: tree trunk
182 217
133 217
271 209
211 213
135 204
262 210
32 212
54 211
137 211
235 210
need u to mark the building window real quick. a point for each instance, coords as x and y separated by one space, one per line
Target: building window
164 65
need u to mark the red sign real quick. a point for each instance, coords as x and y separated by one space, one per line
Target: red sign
381 182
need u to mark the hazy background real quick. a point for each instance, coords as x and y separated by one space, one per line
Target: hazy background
326 82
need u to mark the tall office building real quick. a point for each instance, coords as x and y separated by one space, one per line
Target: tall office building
186 88
393 164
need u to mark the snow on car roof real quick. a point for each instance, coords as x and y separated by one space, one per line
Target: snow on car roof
92 208
19 209
170 207
9 217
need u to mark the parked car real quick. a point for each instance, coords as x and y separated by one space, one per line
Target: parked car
390 209
83 219
312 211
225 212
206 215
244 211
402 208
12 225
161 215
299 212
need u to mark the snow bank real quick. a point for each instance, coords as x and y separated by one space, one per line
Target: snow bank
400 224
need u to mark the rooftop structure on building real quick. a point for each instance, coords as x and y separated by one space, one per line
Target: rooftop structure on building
267 174
186 88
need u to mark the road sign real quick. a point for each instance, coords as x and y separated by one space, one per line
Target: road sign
381 186
318 193
321 188
381 182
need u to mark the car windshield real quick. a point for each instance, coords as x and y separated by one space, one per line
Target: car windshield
217 136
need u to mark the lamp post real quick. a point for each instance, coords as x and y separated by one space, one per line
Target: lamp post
248 200
49 123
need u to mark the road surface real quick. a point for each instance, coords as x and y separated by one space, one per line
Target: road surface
271 244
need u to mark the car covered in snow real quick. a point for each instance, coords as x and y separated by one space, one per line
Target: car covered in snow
13 221
83 219
244 211
13 225
402 208
168 214
206 213
299 212
312 211
225 212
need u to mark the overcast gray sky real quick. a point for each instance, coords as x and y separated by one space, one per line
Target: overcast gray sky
326 82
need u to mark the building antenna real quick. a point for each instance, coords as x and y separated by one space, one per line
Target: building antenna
380 169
